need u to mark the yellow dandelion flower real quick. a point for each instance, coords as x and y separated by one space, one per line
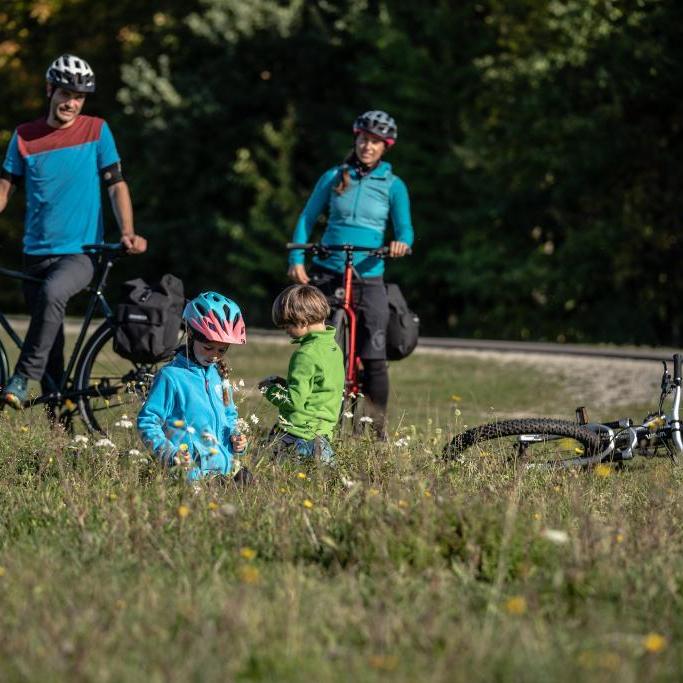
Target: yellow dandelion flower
23 428
383 662
247 553
183 447
212 506
249 574
178 423
3 571
112 496
603 470
515 605
402 503
536 516
373 492
308 503
619 538
557 489
427 494
213 451
654 643
283 490
456 398
301 475
183 511
69 405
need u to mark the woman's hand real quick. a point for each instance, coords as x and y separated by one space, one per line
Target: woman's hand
239 442
298 274
398 249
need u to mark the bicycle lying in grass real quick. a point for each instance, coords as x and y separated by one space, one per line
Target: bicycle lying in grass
546 442
97 383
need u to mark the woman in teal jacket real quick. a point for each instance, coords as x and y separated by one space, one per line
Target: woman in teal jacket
360 197
189 417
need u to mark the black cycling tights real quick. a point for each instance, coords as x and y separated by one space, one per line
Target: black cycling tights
376 389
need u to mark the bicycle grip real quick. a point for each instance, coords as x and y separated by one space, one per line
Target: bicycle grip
677 368
297 245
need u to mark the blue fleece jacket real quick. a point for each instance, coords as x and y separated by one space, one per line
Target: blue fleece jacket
358 217
185 406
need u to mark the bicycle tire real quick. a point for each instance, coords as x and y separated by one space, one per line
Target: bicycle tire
110 386
4 366
550 433
348 416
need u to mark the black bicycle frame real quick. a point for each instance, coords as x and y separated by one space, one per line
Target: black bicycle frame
96 299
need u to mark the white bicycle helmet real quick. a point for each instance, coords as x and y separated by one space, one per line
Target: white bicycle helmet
377 123
72 73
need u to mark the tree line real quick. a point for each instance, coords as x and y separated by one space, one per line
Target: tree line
539 142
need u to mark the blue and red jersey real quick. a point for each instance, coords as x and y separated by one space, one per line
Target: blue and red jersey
61 170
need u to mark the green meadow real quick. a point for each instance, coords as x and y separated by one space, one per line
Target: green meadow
392 565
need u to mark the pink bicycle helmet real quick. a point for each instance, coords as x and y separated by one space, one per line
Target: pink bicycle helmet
216 318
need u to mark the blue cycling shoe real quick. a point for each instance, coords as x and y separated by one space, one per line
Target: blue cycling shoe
16 391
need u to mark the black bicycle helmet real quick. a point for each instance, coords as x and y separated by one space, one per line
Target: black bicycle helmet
377 123
72 73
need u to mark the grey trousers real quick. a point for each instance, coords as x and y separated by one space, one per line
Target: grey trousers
42 354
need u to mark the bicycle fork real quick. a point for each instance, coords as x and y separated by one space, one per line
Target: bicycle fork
352 385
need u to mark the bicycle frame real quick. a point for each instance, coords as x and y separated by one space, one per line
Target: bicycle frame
58 392
352 370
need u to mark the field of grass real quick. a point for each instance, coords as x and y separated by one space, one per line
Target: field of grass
390 566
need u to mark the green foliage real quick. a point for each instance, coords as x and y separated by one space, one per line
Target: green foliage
539 142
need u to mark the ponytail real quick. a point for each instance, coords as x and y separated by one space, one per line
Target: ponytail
343 184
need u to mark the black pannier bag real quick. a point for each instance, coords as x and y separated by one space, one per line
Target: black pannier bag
404 325
148 319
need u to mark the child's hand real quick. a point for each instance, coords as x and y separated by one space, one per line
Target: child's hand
270 380
239 442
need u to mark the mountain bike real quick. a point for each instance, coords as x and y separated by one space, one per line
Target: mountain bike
97 383
344 320
546 442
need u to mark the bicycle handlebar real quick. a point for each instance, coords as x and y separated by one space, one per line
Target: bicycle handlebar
114 248
322 249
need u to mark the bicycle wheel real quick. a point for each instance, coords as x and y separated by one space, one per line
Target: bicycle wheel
534 442
113 388
350 410
4 366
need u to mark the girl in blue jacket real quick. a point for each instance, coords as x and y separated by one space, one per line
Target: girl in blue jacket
360 197
189 417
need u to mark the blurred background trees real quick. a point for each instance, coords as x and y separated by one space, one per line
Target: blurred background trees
539 141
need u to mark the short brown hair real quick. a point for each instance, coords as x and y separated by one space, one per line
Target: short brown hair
300 305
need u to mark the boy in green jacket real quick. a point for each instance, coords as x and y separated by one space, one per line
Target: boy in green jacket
310 399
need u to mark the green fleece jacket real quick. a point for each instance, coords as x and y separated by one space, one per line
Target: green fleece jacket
310 403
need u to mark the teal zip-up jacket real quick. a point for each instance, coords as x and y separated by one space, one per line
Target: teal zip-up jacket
310 403
185 406
358 217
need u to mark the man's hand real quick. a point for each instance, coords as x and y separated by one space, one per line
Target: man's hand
298 274
239 442
134 244
398 249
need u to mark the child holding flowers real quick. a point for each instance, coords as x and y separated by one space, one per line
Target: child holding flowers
310 399
189 417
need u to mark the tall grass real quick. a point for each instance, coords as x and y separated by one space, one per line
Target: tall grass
389 566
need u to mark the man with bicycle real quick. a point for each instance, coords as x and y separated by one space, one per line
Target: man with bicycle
61 158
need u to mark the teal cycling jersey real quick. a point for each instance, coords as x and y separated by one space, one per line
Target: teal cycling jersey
359 216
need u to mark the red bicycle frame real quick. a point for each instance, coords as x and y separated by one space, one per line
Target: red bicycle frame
353 364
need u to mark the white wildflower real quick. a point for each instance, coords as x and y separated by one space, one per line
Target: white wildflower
348 414
241 383
254 419
242 426
80 438
208 436
125 424
367 419
349 483
105 443
403 442
556 536
134 452
191 430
